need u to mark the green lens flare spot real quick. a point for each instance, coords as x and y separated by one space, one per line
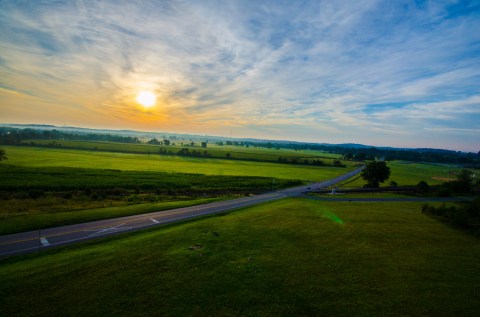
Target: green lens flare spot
333 217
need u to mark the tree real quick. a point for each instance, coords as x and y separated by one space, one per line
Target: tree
3 155
154 141
376 172
464 182
204 144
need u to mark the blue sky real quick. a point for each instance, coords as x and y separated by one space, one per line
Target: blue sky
392 73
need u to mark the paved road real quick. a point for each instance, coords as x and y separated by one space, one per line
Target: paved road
33 241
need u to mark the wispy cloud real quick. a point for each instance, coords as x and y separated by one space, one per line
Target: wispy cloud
376 72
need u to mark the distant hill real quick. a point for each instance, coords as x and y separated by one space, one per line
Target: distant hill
342 148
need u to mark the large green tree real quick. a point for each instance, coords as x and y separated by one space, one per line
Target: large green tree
376 172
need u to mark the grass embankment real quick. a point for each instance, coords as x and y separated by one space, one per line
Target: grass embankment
294 257
406 174
44 157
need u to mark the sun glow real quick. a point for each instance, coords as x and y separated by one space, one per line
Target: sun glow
146 99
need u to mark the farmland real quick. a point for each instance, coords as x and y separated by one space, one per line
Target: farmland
45 187
49 157
42 197
406 173
321 258
213 150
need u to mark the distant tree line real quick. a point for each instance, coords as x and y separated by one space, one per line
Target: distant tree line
15 136
313 162
471 160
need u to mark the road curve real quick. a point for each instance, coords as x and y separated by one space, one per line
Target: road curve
38 240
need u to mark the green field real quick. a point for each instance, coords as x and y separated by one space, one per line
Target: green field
42 197
294 257
405 173
48 157
17 178
215 151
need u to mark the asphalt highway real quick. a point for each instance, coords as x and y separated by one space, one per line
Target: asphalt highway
38 240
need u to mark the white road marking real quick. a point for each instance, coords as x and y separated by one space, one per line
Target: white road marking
155 221
109 229
44 242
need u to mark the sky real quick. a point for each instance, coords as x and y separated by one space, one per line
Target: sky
383 73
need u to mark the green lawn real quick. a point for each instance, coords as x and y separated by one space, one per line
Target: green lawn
294 257
43 157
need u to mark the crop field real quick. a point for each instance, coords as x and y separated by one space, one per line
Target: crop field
405 173
214 151
295 257
50 157
42 197
17 178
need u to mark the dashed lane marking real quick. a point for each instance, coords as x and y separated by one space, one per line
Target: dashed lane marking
44 242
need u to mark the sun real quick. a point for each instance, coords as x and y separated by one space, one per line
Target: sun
146 99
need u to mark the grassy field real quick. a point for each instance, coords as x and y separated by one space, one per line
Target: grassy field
48 157
17 178
238 152
405 173
42 197
294 257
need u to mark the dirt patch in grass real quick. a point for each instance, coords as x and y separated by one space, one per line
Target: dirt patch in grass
443 179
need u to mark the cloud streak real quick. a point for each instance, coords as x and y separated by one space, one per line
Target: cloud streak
382 73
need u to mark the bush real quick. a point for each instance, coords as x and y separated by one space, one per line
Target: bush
464 215
422 187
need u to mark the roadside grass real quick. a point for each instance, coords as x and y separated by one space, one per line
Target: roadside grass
407 173
294 257
49 157
36 221
362 195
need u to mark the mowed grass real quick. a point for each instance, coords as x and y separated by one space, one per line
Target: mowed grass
43 157
406 173
295 257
